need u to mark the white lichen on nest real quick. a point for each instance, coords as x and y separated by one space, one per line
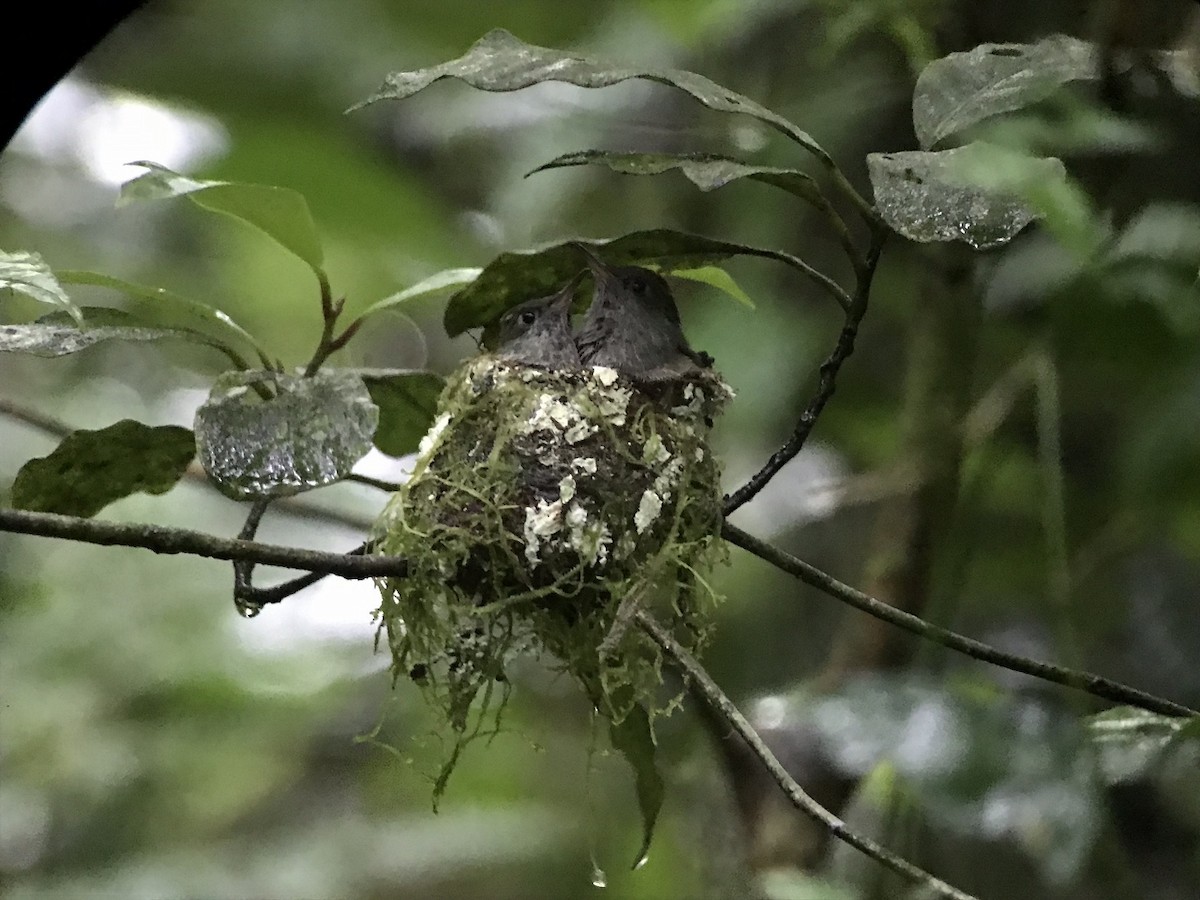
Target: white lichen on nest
539 500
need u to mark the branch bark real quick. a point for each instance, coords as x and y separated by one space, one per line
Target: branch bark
1095 685
160 539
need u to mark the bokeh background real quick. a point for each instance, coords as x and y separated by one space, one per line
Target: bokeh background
1014 450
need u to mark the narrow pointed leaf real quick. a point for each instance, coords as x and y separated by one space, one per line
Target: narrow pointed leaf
91 469
961 89
633 738
501 62
407 402
27 273
715 276
309 433
520 275
58 335
439 281
158 306
972 194
707 172
280 213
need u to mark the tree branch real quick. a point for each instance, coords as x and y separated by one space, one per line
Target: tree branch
378 483
159 539
1095 685
855 311
723 707
34 418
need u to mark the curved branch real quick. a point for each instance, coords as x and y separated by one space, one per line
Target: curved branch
855 310
831 287
723 707
159 539
1095 685
378 483
34 418
243 569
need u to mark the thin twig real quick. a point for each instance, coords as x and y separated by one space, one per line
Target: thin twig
161 539
34 418
835 290
243 570
390 486
278 593
825 387
723 707
330 310
1095 685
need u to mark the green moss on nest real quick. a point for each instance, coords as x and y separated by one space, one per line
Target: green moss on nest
540 501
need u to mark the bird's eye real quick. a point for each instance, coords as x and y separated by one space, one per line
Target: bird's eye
636 283
527 317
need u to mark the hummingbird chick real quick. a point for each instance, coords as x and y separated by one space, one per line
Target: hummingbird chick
538 332
633 325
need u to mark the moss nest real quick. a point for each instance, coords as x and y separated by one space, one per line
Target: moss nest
545 508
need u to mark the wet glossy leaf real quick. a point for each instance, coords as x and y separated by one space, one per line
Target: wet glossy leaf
440 281
501 62
407 402
1130 741
707 172
309 433
158 306
27 273
57 334
961 89
280 213
633 738
520 275
971 194
91 469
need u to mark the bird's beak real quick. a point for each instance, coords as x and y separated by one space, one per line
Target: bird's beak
567 292
601 271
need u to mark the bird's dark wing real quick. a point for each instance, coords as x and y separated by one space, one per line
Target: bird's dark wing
592 337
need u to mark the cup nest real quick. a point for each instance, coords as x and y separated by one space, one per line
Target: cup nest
545 508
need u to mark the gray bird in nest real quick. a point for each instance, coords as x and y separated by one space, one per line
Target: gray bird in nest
633 325
538 332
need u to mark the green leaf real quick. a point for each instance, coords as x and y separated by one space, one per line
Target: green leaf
715 276
1190 730
520 275
280 213
27 273
58 335
439 281
309 433
634 739
158 306
501 62
1130 741
962 89
708 172
973 194
91 469
407 402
